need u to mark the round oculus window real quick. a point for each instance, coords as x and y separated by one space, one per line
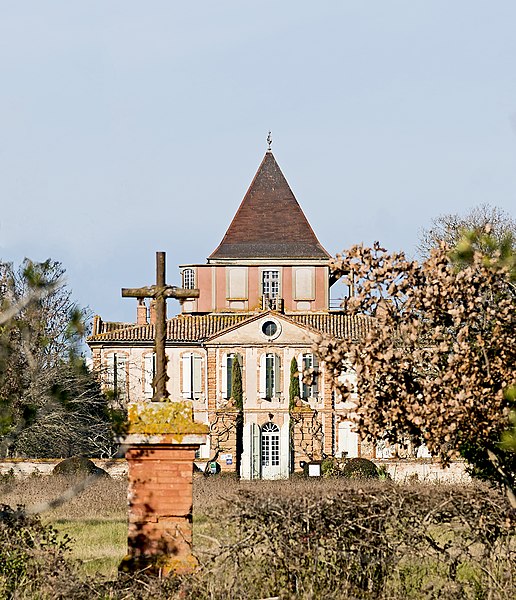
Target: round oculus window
269 328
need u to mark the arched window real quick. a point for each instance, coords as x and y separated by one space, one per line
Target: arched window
189 279
270 428
270 384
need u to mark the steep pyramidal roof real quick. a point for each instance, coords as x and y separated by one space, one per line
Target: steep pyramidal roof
269 222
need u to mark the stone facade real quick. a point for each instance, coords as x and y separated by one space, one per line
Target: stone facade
264 301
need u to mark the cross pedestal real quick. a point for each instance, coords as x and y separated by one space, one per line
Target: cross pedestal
161 445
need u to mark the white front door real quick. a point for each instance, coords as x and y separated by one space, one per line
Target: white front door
348 440
270 441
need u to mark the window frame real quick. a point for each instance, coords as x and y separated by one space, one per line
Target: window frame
270 376
270 445
191 379
268 282
308 361
149 374
227 367
188 276
114 369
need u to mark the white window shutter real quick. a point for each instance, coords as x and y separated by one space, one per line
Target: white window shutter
197 379
187 375
277 375
255 451
263 369
224 381
122 363
148 374
121 375
110 371
300 367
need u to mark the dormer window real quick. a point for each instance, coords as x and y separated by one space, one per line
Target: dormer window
189 279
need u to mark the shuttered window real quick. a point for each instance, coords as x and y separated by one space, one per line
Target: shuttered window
192 375
270 365
227 372
149 372
117 375
309 364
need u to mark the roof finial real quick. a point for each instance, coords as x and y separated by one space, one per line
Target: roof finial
269 141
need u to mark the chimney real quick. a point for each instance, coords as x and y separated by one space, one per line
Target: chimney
141 312
97 325
153 312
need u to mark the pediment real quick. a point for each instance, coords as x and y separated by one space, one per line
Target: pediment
266 329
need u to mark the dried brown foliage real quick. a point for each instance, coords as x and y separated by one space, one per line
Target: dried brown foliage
371 541
439 359
316 539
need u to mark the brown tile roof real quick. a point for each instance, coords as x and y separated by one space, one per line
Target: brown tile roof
179 329
335 324
269 222
197 328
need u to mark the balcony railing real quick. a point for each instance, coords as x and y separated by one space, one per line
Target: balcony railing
272 303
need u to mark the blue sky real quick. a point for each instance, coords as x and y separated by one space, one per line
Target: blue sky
128 127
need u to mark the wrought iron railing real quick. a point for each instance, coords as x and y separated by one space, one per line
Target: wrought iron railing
269 303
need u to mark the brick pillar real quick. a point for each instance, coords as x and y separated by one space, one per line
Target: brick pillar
161 446
329 414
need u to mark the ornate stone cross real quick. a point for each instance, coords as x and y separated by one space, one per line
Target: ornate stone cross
160 293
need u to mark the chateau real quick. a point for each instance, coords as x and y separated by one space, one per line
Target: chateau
264 301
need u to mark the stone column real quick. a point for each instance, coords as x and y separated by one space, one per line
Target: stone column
160 450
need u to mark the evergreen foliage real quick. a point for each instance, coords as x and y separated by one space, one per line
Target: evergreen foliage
238 399
236 384
51 405
294 389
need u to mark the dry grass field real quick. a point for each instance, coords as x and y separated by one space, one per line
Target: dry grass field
96 519
301 539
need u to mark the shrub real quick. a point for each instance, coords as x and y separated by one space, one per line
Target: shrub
335 539
29 551
360 468
77 466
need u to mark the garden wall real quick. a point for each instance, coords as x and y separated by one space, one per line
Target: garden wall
21 467
426 470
